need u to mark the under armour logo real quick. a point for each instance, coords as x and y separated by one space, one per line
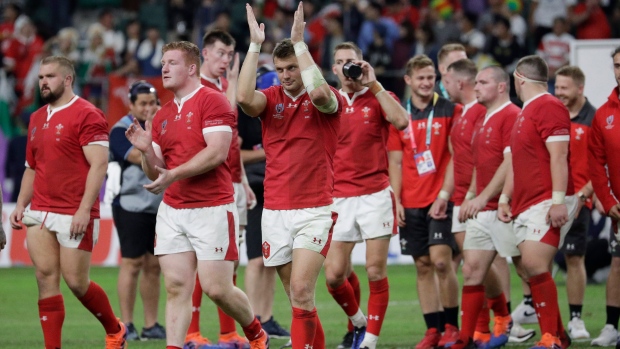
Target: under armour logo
219 249
373 317
43 318
570 246
386 224
541 305
316 241
349 110
345 304
292 105
536 231
195 309
438 235
307 346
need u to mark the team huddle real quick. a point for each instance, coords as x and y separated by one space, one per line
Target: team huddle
458 171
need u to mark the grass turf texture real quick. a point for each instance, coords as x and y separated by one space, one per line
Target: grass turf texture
403 327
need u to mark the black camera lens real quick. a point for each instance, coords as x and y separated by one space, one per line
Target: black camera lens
352 70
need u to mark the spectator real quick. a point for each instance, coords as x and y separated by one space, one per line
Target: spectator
112 39
334 37
96 62
441 18
471 38
149 53
375 22
518 25
352 19
543 13
503 46
181 18
554 47
590 20
486 21
402 10
9 15
379 55
425 43
405 46
129 64
65 44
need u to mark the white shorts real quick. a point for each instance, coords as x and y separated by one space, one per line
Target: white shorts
241 200
365 217
285 230
457 227
487 232
61 225
212 232
531 224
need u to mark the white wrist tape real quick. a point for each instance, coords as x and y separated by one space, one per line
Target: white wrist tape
254 47
331 106
504 199
312 78
558 197
300 48
470 195
444 195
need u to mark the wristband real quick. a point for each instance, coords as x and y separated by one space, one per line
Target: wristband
504 199
582 196
300 48
254 47
376 88
470 195
244 180
443 195
557 197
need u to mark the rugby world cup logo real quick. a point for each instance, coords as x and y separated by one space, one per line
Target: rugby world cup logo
279 110
610 121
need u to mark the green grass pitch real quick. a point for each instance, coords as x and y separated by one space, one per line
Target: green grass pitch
403 327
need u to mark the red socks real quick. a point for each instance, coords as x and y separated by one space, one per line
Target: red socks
172 347
377 305
345 297
545 299
304 328
252 331
52 316
499 306
484 317
194 324
227 323
319 336
355 284
97 302
471 304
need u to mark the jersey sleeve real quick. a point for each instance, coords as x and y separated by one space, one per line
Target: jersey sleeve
119 144
394 143
338 100
270 96
93 128
216 114
507 126
458 110
30 159
598 162
554 124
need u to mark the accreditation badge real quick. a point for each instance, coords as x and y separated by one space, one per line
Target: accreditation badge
424 162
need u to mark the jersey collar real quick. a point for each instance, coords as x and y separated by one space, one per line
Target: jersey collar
217 82
525 104
500 108
466 107
296 97
355 94
51 112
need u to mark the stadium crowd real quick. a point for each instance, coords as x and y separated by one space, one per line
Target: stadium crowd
458 125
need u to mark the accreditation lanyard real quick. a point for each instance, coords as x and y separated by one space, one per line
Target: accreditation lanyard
429 123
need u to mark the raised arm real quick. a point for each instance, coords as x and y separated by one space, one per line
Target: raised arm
251 101
320 94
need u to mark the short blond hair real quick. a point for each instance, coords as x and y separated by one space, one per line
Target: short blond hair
190 51
418 62
574 73
62 62
446 49
348 45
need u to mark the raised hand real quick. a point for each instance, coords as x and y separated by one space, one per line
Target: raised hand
368 73
257 32
297 31
140 138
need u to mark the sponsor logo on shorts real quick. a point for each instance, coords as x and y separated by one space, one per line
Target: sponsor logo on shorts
316 241
219 249
403 244
386 224
266 250
438 236
570 246
536 231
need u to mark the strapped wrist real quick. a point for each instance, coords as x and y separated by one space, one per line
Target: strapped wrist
558 197
300 48
254 47
444 195
376 88
504 199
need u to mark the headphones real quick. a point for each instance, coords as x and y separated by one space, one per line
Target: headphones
140 87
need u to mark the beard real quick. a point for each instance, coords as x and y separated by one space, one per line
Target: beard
52 96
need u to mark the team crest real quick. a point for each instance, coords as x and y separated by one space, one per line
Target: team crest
188 119
365 110
266 250
436 127
32 133
306 104
610 122
579 132
59 128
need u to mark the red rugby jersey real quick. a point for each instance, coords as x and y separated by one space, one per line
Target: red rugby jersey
543 119
580 128
420 191
604 146
491 141
360 163
178 130
234 154
300 143
461 138
54 151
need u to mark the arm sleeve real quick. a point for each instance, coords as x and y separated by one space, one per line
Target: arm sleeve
598 163
93 128
217 114
554 123
269 106
30 160
507 127
394 143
